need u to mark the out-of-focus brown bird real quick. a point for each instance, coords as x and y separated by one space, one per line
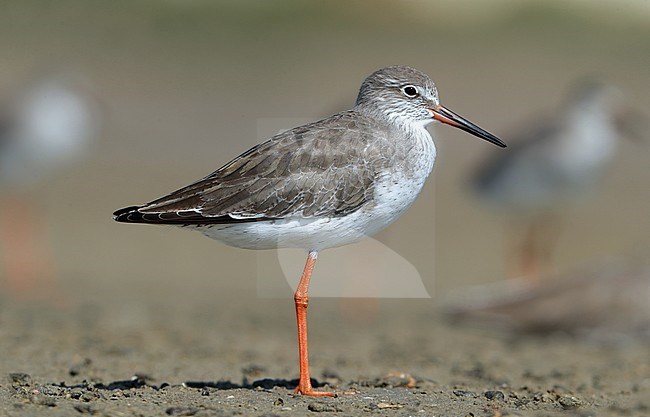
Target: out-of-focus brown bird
607 300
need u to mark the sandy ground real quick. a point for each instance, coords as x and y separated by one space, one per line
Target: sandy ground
145 321
164 356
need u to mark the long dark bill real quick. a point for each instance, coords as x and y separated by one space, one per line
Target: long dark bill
447 116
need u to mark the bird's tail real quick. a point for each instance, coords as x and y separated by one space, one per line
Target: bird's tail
130 215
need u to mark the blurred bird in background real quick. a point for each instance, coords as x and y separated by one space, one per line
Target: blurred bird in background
45 127
558 162
555 162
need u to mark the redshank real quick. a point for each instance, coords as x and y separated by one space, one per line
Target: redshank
554 163
321 185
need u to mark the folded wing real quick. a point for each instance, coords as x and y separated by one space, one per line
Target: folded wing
309 171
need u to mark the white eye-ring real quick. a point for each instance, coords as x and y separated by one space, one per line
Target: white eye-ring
410 91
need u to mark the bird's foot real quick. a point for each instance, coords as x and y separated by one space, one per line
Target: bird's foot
308 390
312 393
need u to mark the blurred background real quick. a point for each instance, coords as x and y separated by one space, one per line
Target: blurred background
180 87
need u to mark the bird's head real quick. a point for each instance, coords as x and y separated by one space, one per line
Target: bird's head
400 94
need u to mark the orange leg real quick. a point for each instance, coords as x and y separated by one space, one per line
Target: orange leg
27 264
537 249
301 300
531 265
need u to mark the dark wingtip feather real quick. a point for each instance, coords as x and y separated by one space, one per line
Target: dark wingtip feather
128 215
179 218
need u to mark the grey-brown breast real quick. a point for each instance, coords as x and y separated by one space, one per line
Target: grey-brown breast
326 168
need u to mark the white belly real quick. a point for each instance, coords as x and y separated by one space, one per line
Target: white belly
309 234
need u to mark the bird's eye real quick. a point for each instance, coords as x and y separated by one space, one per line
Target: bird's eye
410 91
